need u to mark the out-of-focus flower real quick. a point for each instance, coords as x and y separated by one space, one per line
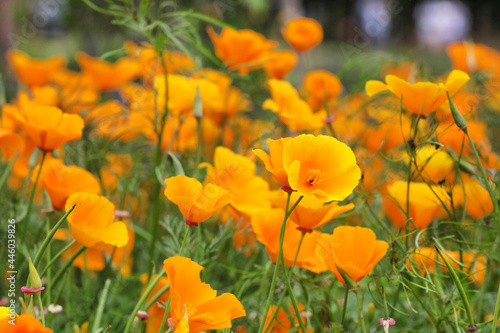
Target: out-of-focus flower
475 264
267 225
191 298
435 164
108 76
321 166
425 259
405 70
450 137
91 222
420 97
196 203
118 167
60 181
302 33
321 87
236 173
49 128
475 198
280 63
282 322
24 323
293 111
242 50
424 203
471 57
342 249
10 143
39 95
311 212
77 91
34 72
155 312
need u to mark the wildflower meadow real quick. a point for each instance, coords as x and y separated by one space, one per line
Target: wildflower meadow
204 176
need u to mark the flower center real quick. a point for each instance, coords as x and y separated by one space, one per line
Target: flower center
313 176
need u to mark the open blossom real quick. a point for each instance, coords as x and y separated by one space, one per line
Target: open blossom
342 249
303 33
196 301
196 203
34 71
25 323
420 97
321 166
91 222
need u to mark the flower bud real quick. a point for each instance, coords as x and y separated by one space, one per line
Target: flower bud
35 281
457 116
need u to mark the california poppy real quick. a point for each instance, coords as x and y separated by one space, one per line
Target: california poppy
475 264
321 87
196 203
24 323
281 322
33 71
474 196
420 97
425 259
280 63
341 249
423 202
311 212
435 164
10 142
49 128
471 57
302 33
155 312
274 161
108 76
197 300
241 50
60 181
236 173
321 166
91 222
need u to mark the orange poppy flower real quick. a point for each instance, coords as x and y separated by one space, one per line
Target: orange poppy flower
196 203
40 95
236 173
424 205
155 312
293 111
321 86
435 164
425 259
91 222
405 70
425 96
241 50
267 226
274 161
280 63
108 76
60 181
282 322
32 71
342 249
455 139
24 323
77 91
321 166
91 259
471 57
10 143
476 198
49 128
118 167
302 33
311 212
191 298
476 264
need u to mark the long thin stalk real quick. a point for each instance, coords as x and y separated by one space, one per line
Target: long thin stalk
32 196
100 307
346 298
360 309
495 315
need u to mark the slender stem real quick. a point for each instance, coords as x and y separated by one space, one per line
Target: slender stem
360 308
156 296
164 320
6 172
346 297
32 196
67 264
184 241
40 304
496 313
141 301
100 307
56 257
298 250
292 297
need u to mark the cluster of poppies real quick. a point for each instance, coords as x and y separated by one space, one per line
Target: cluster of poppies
410 148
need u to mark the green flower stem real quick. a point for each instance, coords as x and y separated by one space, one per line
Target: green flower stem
275 314
184 241
40 304
164 320
57 256
142 300
360 308
292 297
67 264
156 297
495 315
459 286
280 255
346 298
6 172
32 196
298 250
100 307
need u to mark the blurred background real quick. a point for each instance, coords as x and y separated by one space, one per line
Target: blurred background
370 31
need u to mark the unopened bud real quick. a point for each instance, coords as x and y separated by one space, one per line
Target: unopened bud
457 116
35 281
348 280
